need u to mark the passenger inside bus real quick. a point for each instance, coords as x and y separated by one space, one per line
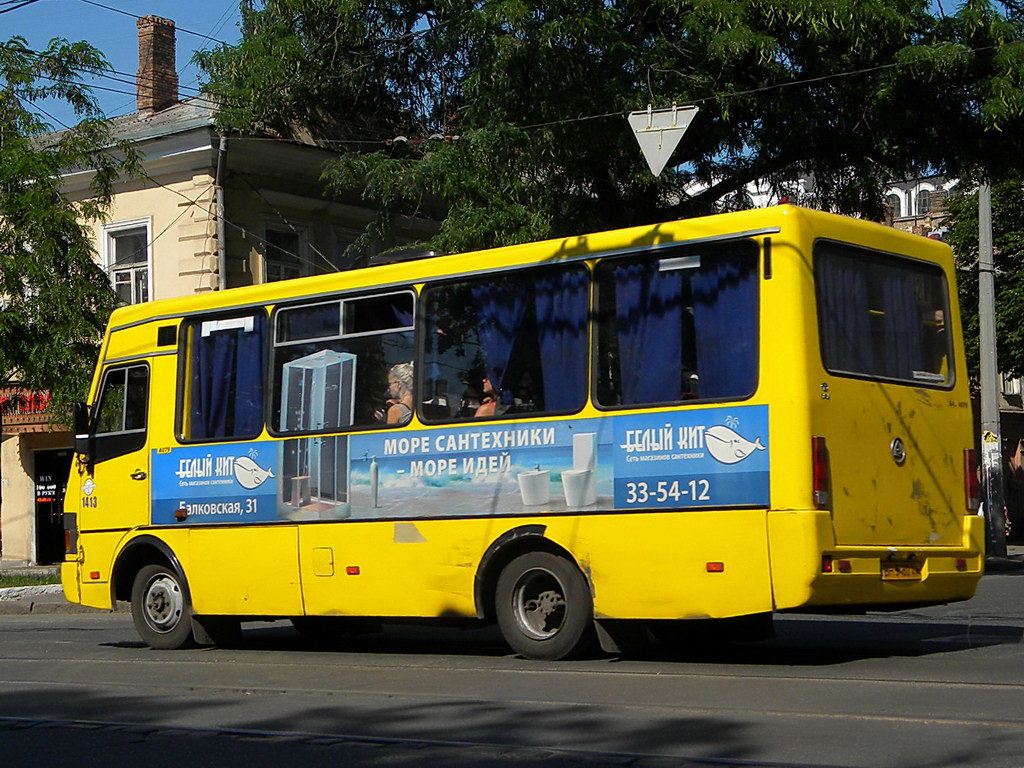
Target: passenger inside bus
400 399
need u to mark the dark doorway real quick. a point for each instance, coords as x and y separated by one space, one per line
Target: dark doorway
52 468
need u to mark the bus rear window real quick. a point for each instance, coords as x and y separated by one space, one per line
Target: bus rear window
882 316
678 328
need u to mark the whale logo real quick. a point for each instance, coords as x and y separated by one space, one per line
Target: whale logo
249 474
727 446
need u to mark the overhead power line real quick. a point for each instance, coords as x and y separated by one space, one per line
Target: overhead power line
13 5
136 16
395 140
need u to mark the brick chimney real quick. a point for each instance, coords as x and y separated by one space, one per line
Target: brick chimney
157 80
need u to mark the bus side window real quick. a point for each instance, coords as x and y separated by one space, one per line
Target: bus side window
344 363
509 344
120 423
677 328
225 377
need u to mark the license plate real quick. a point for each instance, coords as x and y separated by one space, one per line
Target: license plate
900 570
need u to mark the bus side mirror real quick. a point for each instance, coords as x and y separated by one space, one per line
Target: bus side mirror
83 440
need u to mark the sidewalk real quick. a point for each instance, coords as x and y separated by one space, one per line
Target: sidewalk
37 599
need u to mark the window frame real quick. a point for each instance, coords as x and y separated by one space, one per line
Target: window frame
340 299
108 233
111 445
303 231
183 392
660 254
348 235
875 253
928 195
584 264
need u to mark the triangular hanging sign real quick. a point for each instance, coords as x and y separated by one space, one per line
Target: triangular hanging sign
658 132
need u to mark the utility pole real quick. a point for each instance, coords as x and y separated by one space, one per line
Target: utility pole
991 438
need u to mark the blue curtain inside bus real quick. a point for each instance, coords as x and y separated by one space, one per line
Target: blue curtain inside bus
725 318
649 315
561 302
903 342
403 313
871 317
654 328
227 382
499 306
845 318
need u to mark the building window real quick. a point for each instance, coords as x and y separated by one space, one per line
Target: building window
892 206
924 202
126 256
285 250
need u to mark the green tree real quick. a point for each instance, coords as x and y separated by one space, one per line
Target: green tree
55 299
1008 259
853 92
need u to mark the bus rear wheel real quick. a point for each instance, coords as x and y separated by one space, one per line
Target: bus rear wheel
544 607
161 610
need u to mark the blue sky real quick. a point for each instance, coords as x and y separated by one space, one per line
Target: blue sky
115 35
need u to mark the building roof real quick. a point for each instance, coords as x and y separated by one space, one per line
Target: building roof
186 115
183 116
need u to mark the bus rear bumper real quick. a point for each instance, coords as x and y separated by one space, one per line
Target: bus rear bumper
810 570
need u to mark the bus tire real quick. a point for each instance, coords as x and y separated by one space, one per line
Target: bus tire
161 609
544 607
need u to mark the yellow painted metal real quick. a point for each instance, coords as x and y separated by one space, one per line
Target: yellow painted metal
69 581
323 561
639 564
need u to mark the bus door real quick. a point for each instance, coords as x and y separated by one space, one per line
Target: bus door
895 445
114 484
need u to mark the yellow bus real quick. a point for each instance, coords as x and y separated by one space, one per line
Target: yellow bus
714 418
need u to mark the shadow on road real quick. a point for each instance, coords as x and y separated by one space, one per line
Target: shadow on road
801 641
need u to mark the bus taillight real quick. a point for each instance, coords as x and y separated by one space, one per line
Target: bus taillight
972 484
819 454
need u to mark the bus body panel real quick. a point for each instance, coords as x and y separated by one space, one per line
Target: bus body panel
874 499
245 570
640 565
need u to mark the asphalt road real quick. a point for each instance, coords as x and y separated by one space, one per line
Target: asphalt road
935 687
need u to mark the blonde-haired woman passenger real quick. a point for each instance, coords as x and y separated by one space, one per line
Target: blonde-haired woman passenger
400 403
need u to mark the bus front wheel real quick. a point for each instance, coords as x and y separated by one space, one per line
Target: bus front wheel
544 607
161 610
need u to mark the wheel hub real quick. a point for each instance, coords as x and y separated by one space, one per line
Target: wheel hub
163 604
539 604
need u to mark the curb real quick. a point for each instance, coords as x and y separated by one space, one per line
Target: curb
1009 564
45 599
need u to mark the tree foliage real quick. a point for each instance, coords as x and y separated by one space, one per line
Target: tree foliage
1008 259
853 92
55 299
